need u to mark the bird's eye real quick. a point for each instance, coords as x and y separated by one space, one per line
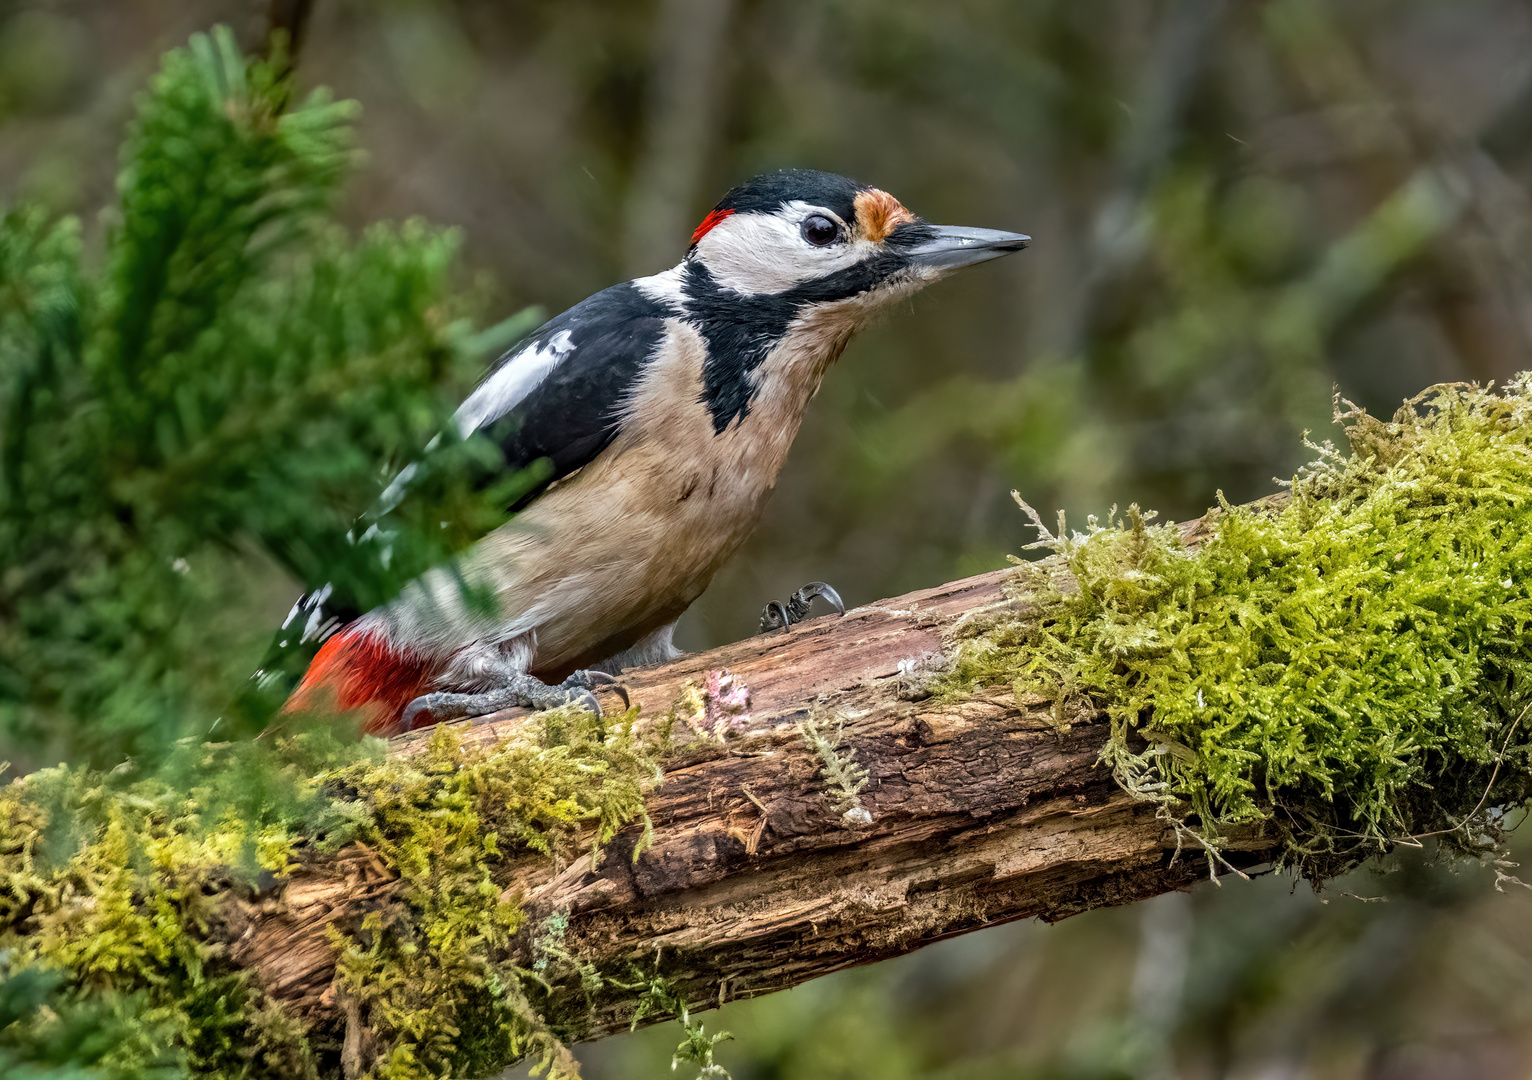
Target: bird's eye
820 230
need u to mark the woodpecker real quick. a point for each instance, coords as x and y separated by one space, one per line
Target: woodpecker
662 410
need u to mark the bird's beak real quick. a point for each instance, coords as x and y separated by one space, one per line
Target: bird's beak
954 246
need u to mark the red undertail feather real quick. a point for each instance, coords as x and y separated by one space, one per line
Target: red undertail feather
713 218
358 670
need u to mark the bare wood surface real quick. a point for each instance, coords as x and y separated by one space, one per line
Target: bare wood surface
978 811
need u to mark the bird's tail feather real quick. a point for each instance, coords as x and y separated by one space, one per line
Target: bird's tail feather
358 669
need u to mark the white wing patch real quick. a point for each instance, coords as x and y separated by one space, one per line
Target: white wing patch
511 382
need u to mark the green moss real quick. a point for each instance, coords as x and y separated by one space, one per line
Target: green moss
436 975
844 778
654 995
111 887
108 887
1349 668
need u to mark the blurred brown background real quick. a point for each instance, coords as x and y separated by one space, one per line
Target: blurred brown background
1235 207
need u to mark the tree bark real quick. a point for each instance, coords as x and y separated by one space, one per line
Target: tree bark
977 812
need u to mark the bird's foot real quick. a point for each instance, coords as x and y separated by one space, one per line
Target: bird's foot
779 616
518 690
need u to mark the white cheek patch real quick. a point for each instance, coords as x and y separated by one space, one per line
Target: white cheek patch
765 254
511 382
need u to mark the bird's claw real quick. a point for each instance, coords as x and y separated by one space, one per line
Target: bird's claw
442 706
777 615
410 719
774 615
525 691
589 679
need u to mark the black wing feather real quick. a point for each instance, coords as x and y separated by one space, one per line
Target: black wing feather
573 413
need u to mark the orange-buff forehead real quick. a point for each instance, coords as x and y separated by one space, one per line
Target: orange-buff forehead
878 213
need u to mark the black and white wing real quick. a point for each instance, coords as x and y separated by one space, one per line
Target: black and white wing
558 395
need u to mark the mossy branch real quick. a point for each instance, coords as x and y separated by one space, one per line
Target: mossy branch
1311 681
1349 669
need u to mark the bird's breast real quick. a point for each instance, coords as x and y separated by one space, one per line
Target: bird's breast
625 545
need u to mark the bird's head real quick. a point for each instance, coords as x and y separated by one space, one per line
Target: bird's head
823 238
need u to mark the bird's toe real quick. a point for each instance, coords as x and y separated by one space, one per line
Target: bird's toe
601 679
579 687
778 615
774 616
805 596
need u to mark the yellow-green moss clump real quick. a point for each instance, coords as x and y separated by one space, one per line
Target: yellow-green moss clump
441 982
112 891
1349 667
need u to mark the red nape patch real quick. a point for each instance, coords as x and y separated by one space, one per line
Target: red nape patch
358 670
713 218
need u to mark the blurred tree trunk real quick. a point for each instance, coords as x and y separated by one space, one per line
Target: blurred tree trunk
290 18
764 872
681 116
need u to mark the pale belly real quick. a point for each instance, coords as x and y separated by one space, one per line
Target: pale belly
604 557
623 547
617 552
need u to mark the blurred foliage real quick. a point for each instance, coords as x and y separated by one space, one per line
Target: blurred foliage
219 401
48 1034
